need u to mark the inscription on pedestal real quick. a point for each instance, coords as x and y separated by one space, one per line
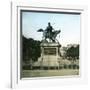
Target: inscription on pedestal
49 51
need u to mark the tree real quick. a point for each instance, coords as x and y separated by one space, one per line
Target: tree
73 52
31 49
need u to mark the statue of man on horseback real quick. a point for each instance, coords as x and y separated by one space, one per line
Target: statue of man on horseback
49 33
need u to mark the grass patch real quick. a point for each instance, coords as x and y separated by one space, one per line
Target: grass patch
48 73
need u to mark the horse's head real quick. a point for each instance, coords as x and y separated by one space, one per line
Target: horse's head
40 30
57 31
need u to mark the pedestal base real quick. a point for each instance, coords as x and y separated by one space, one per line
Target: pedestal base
50 55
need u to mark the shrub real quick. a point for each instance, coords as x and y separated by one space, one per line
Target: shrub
70 66
65 66
77 66
26 67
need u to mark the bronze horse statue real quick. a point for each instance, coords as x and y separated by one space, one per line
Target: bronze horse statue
51 36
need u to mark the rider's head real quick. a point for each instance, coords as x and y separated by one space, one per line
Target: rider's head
48 23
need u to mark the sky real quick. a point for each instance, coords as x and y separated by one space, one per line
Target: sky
69 24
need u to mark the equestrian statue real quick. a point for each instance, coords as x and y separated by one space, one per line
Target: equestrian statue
49 33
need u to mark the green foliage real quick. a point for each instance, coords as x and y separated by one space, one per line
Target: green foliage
65 66
31 49
73 52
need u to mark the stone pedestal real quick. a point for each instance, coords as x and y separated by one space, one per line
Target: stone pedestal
50 54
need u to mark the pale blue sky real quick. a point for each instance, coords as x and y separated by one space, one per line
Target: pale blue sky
68 23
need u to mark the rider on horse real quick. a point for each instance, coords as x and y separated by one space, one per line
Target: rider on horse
49 33
49 29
